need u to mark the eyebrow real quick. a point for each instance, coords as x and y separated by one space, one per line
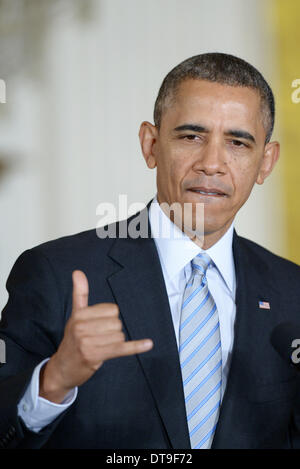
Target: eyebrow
241 134
193 127
232 132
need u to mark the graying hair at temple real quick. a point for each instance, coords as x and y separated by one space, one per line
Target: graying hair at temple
219 68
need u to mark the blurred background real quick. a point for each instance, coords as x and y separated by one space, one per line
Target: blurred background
81 75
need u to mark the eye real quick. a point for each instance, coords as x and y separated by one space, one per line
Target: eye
238 143
190 137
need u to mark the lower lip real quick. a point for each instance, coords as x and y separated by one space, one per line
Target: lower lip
206 194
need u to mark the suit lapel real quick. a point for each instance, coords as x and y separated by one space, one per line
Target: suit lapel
139 289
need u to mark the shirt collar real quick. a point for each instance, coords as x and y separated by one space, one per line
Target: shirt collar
178 250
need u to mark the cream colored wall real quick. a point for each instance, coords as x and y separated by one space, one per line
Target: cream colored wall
71 130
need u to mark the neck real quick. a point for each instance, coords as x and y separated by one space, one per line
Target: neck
209 239
204 240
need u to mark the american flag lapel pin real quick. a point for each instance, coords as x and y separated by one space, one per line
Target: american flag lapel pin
264 305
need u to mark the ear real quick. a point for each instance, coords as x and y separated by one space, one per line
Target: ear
271 155
148 136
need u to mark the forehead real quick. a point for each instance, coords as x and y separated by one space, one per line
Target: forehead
214 104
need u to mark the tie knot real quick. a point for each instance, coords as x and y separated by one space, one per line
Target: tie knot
200 263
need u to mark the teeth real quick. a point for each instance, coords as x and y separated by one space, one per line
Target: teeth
207 193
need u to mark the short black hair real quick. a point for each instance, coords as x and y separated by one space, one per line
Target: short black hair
220 68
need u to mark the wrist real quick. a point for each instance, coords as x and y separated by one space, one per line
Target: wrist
50 385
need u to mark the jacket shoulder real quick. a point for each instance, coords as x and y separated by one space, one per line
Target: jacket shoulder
278 263
83 244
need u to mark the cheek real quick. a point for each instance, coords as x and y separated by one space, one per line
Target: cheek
243 174
168 179
173 167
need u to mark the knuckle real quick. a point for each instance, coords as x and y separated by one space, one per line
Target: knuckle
119 349
117 338
82 345
107 309
111 351
118 324
84 349
78 328
113 323
113 309
76 315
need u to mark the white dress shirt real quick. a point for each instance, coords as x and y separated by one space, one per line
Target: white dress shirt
175 254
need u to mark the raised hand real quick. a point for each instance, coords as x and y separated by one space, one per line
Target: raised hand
92 335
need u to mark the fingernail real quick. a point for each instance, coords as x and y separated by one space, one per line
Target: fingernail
147 344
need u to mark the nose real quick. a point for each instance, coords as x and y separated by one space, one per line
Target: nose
211 159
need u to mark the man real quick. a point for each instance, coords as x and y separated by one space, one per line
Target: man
154 342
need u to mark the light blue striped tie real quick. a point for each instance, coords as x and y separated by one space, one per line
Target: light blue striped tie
200 356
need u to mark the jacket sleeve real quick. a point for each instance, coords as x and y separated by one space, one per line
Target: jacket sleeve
31 328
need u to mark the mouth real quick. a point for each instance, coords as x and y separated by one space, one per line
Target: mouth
208 191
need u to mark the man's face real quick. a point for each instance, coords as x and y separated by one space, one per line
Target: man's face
210 149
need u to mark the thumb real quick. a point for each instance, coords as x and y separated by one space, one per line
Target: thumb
80 290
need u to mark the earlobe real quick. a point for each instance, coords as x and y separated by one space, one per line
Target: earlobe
148 136
271 155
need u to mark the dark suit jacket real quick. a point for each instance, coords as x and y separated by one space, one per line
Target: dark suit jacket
138 401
